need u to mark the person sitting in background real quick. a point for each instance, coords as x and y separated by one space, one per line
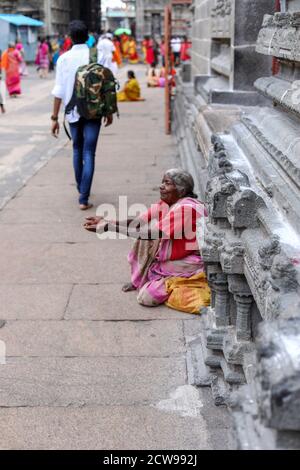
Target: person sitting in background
162 77
10 62
131 90
153 77
165 259
117 55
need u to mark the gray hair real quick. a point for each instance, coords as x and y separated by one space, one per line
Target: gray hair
183 181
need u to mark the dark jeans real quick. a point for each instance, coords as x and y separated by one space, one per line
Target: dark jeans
85 135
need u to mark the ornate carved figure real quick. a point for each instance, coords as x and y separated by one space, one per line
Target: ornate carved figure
268 251
232 257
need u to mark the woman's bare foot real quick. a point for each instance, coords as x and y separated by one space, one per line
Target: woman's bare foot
128 287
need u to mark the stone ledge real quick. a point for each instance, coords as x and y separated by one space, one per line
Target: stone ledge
280 36
282 92
215 90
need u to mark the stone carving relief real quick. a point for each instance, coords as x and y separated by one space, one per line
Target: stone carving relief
232 257
277 278
221 18
278 374
279 36
212 242
242 208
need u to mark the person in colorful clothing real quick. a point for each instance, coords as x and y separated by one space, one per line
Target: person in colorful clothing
10 63
166 246
184 51
23 67
42 59
131 90
2 92
150 57
132 51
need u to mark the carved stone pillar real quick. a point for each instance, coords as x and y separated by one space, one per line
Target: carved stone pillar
243 318
222 301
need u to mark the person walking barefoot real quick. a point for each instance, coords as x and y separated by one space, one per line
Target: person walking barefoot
85 132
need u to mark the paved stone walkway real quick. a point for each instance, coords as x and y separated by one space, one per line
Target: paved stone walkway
86 366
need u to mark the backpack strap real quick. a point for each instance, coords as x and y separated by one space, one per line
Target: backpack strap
66 129
93 55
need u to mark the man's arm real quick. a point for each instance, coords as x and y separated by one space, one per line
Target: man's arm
108 120
54 117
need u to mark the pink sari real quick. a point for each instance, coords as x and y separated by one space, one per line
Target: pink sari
42 59
151 264
13 79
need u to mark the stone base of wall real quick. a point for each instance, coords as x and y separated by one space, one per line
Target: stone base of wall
248 351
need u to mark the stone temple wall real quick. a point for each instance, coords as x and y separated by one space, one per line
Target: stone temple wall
225 64
201 37
246 164
56 14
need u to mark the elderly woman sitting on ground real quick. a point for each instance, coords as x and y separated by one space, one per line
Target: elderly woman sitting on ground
166 246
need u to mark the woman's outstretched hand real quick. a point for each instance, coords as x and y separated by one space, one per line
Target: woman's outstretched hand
91 223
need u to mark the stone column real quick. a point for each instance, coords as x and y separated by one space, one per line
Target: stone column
201 37
222 301
243 318
247 66
140 19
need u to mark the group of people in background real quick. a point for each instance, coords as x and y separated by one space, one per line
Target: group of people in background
109 50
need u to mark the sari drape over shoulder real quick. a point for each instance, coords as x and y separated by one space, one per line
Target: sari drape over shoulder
176 255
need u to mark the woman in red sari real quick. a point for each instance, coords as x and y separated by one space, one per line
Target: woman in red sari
10 62
149 48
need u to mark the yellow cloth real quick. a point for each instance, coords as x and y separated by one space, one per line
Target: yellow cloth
188 294
130 92
132 52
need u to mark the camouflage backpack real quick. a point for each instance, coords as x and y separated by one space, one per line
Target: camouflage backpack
94 92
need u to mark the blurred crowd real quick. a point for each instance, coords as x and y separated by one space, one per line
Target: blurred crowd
108 49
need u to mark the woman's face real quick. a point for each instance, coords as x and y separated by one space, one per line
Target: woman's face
168 191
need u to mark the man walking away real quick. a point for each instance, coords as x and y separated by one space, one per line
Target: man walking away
106 49
85 132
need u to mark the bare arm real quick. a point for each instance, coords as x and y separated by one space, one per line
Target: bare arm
55 123
132 228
